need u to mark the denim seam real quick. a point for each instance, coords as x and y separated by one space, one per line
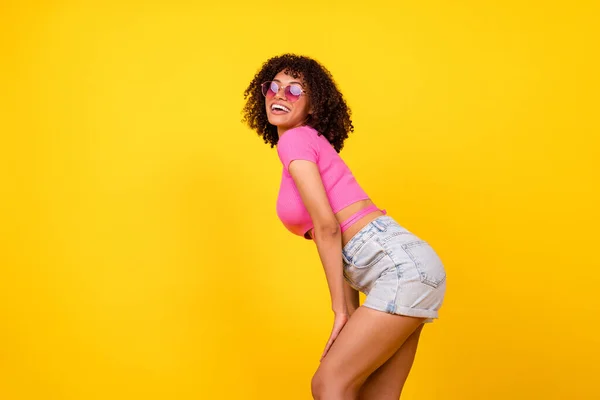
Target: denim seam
398 288
423 277
358 239
350 280
359 243
393 235
371 264
410 311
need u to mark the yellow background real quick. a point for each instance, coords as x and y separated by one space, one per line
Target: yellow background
141 256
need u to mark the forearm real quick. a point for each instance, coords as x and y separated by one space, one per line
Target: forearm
352 298
329 246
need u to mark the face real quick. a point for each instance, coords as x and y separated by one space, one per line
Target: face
282 111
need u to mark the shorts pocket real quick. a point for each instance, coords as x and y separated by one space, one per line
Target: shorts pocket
367 264
428 263
367 255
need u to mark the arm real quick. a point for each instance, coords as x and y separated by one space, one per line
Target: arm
352 298
327 233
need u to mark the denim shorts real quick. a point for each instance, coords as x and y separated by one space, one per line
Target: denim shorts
397 271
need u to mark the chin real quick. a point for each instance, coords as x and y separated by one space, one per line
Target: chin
279 122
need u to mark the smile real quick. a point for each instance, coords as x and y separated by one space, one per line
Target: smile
280 108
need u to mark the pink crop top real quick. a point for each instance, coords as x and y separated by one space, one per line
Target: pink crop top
342 189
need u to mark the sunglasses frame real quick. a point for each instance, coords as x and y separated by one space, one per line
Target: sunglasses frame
262 90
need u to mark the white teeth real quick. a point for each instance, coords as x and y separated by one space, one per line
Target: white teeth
279 107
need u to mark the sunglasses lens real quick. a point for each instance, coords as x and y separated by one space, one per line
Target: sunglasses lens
293 92
269 89
273 89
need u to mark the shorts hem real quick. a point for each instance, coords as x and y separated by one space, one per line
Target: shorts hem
392 308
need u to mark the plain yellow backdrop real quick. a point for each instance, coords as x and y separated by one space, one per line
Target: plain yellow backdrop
141 256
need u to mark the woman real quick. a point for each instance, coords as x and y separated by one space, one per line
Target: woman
294 104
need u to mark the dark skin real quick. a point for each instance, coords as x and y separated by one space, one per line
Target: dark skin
329 115
326 232
299 110
369 358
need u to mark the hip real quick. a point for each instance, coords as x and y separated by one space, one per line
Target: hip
383 246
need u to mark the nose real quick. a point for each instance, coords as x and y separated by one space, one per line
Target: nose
280 94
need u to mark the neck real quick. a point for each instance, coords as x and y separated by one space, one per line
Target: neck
281 130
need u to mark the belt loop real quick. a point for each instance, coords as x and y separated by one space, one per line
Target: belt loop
379 225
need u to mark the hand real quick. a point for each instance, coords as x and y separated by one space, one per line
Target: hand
338 323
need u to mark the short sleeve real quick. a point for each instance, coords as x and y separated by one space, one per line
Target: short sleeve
298 144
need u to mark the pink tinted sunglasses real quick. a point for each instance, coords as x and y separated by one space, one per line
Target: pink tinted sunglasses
292 92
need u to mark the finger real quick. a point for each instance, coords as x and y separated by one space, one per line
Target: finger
334 334
327 346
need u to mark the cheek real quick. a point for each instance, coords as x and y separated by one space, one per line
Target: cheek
303 108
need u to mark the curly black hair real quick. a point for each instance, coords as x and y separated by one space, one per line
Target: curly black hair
331 115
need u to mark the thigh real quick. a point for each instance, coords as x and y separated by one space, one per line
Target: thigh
366 342
388 380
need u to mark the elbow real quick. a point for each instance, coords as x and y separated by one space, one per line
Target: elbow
330 230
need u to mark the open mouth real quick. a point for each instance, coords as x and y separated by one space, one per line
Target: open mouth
279 109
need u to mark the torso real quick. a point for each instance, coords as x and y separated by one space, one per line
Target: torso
347 212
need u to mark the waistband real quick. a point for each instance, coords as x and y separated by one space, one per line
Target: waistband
379 224
358 215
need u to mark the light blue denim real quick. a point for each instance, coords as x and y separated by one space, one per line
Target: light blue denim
397 271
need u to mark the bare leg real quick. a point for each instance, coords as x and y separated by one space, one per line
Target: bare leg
387 381
368 340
